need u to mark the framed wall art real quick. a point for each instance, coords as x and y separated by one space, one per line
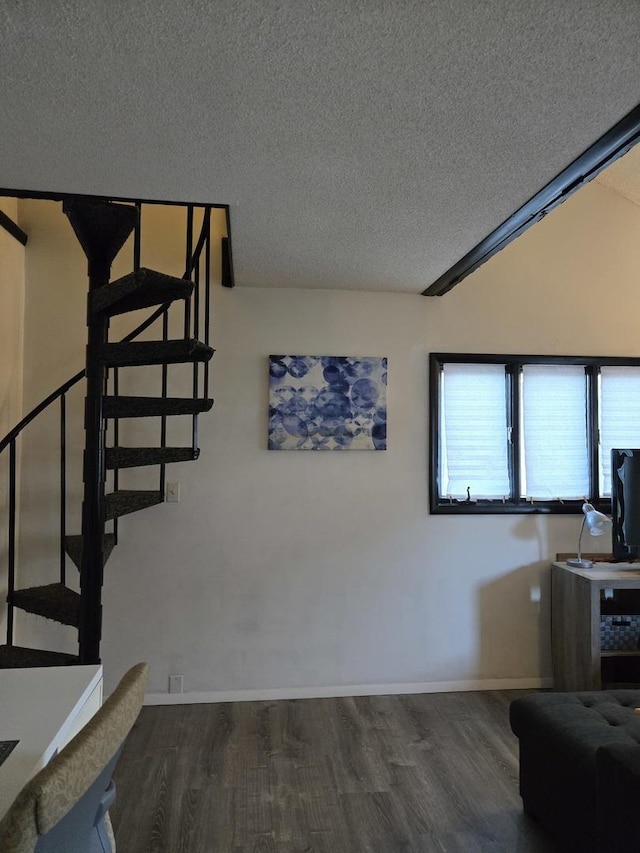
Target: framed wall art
321 402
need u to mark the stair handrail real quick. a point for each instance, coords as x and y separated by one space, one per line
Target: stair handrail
15 432
193 265
40 407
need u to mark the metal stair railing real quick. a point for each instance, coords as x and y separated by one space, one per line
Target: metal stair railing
197 257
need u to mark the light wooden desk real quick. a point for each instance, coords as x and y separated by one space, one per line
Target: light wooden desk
42 708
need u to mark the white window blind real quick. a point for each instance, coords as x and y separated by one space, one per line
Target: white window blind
619 416
473 431
554 432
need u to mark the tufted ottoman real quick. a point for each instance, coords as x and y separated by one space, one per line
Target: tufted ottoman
580 767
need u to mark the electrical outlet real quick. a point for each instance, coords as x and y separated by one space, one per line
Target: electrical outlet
175 684
173 493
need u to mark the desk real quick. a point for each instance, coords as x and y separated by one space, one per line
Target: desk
43 708
576 606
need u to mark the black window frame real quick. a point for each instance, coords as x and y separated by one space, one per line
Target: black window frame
440 505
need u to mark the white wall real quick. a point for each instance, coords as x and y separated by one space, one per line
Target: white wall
11 330
11 321
301 573
313 572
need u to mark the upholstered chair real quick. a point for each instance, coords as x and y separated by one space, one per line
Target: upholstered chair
64 808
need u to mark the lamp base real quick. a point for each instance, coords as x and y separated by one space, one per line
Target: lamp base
575 563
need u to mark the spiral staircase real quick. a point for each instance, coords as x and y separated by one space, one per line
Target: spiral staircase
102 227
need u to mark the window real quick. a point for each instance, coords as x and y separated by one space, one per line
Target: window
516 433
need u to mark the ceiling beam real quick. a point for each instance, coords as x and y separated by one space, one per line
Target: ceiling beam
613 144
9 225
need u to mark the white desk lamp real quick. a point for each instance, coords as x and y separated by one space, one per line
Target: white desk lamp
597 524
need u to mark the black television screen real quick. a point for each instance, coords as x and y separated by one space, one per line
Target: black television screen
625 503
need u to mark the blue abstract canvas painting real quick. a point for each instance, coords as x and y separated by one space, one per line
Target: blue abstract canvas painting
320 402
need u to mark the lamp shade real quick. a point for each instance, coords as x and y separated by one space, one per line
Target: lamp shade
597 523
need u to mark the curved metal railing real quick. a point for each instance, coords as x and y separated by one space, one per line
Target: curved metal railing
196 257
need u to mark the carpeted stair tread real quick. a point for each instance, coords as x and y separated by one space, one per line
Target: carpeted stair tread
125 501
20 657
132 457
140 289
133 354
73 547
53 601
147 407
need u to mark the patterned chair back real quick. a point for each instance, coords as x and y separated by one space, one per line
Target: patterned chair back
60 809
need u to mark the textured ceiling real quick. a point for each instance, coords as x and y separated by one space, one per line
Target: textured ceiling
360 143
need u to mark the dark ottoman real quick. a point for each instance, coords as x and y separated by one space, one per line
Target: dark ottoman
578 759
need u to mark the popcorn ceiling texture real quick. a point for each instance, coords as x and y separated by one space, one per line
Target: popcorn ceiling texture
360 144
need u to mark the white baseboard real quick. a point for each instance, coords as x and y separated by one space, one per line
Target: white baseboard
275 693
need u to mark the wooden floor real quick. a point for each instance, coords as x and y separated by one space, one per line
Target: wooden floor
418 774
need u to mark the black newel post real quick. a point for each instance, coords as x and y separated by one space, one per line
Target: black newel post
93 520
102 228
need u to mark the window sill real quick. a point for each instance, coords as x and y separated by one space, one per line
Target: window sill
488 507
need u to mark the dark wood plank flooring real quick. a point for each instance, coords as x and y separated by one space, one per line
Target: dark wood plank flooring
429 773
